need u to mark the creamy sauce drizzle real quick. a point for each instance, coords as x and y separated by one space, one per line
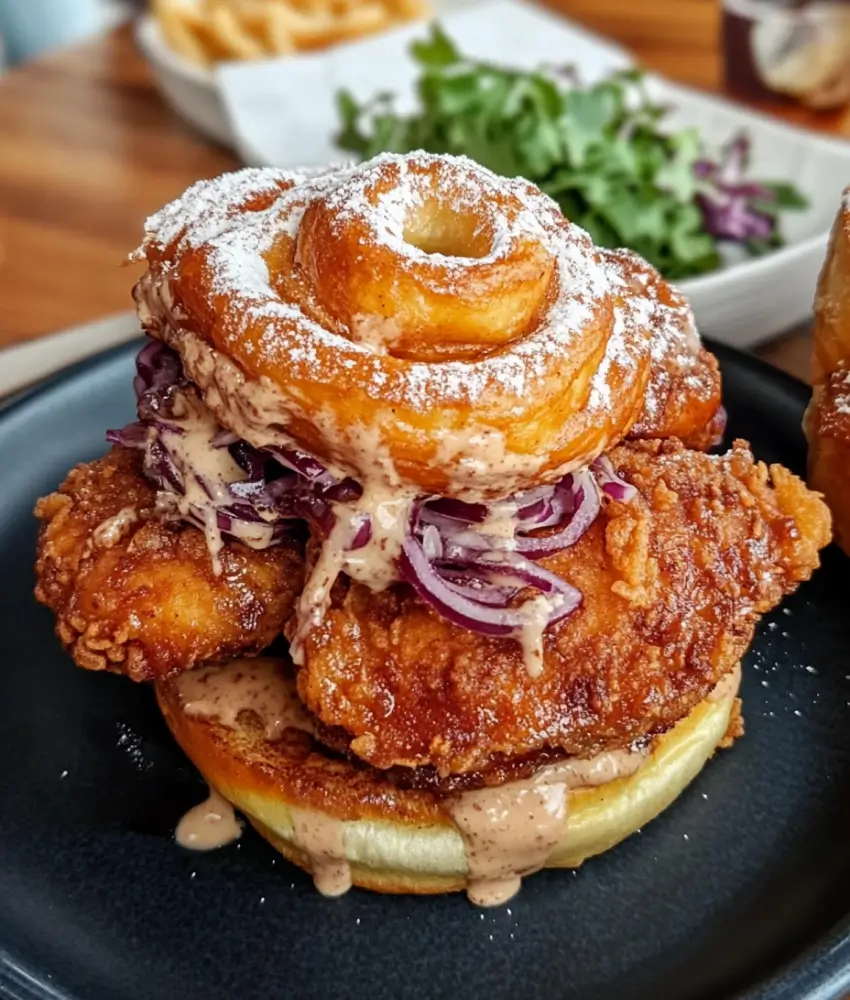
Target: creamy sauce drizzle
256 412
477 453
321 837
386 503
315 598
531 637
501 523
374 564
476 458
510 830
207 472
208 825
113 529
258 686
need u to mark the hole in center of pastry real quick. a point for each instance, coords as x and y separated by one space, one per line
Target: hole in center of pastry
435 228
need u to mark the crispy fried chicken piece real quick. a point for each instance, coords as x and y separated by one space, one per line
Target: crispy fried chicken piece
673 584
139 597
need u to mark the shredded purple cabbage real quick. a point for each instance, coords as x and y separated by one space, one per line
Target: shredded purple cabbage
733 208
262 495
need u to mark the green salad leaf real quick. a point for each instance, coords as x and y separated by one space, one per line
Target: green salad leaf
600 151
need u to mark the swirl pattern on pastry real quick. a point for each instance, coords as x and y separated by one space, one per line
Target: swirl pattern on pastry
413 320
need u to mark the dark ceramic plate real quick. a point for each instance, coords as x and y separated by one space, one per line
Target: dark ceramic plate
741 889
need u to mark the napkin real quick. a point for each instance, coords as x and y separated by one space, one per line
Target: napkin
283 111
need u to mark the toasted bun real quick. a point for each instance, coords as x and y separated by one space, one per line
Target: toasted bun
401 840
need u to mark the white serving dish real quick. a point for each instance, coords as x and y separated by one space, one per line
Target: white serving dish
742 304
192 91
754 299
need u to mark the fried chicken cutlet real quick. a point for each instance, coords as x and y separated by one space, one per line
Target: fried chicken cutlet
673 582
140 597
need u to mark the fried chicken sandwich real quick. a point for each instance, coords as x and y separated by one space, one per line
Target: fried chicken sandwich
409 417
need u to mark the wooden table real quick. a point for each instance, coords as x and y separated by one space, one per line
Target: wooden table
87 150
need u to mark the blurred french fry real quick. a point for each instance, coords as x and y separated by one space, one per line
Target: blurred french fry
206 31
364 20
409 9
227 29
278 36
187 11
240 27
177 32
319 31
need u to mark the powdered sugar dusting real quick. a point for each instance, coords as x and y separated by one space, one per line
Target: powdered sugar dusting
463 184
208 215
238 219
675 345
206 209
842 395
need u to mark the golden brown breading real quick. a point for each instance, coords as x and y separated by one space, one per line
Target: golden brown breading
138 597
673 584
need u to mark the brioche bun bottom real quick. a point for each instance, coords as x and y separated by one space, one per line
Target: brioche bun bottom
401 841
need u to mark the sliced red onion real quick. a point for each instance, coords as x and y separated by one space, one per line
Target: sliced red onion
317 512
610 482
587 507
519 571
305 465
560 505
362 533
457 536
224 439
477 586
458 510
133 435
467 612
432 543
345 491
161 467
527 503
252 462
482 592
540 510
728 203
